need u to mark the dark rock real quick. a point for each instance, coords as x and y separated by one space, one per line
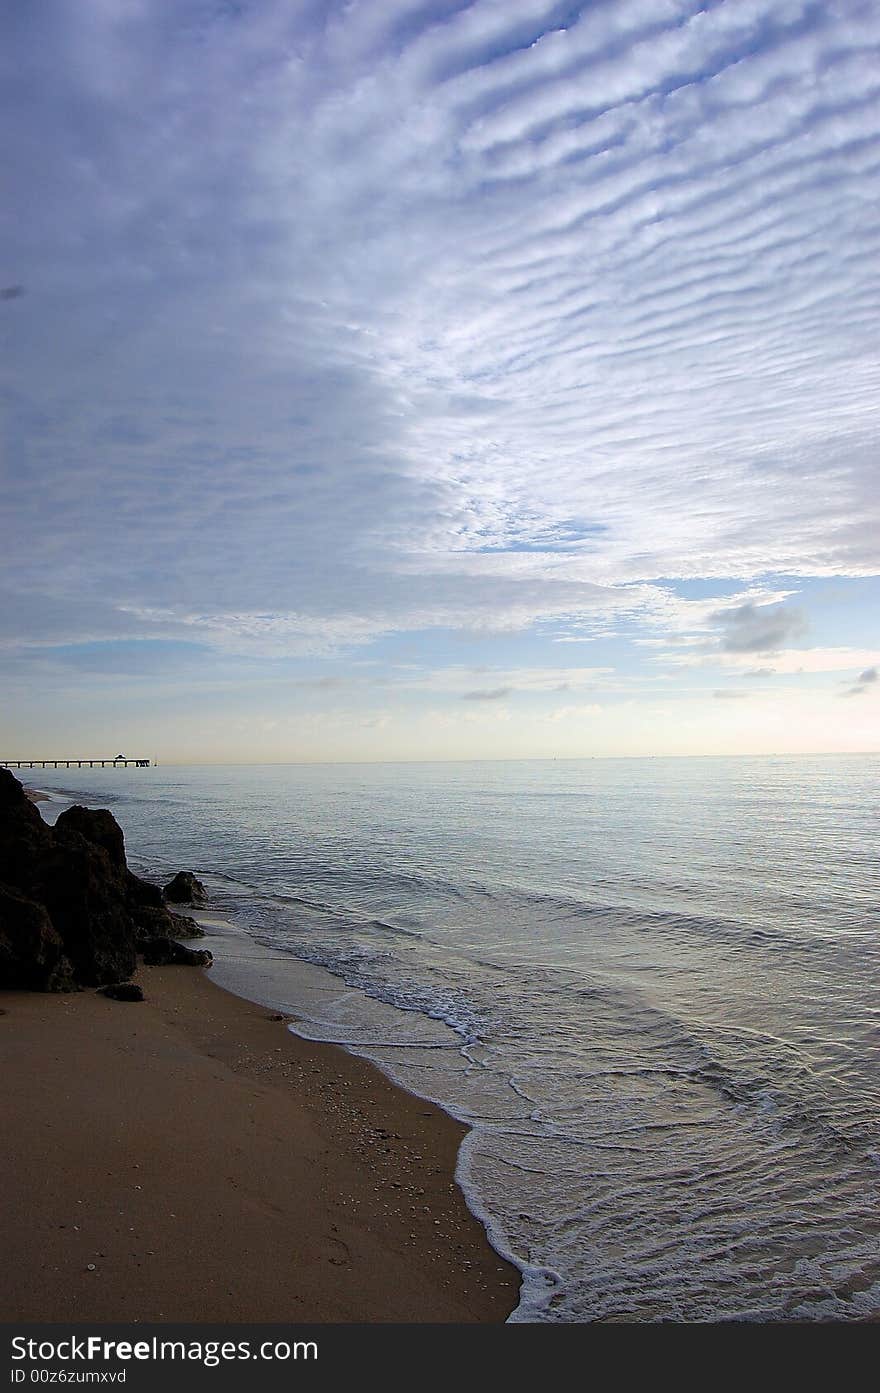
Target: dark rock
185 927
31 952
186 889
12 792
24 837
163 952
150 923
162 923
97 826
142 892
85 894
123 991
72 913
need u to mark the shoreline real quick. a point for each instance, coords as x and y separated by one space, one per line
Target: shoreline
295 1182
500 1278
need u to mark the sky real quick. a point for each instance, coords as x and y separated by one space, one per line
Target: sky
418 379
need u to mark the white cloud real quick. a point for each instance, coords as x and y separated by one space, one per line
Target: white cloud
785 663
481 681
353 319
586 712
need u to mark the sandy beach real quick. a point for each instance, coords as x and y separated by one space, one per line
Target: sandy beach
188 1158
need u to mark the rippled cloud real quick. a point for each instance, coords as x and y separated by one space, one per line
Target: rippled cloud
348 320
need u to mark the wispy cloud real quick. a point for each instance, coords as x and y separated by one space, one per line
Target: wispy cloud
786 663
486 694
863 683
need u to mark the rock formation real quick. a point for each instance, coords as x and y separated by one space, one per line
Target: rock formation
71 912
186 889
159 952
123 991
164 923
31 952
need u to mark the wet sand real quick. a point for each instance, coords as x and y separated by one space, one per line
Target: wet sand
187 1158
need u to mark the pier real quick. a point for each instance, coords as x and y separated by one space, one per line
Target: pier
119 762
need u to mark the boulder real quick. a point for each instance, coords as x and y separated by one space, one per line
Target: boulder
123 991
162 923
72 913
186 889
164 952
24 837
98 826
31 952
185 927
143 892
84 892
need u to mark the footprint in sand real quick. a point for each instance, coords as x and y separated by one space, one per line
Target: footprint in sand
338 1252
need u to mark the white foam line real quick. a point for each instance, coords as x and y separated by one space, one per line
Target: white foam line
366 1044
539 1284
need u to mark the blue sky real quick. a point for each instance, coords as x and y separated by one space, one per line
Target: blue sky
406 380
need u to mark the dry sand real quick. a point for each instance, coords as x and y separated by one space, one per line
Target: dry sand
188 1159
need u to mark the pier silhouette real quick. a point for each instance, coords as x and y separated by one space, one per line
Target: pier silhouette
117 762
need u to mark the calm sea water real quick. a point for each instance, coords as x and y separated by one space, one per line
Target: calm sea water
650 985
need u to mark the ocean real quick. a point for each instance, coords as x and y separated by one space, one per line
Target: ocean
649 986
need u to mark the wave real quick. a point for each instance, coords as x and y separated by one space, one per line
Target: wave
428 897
765 1075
